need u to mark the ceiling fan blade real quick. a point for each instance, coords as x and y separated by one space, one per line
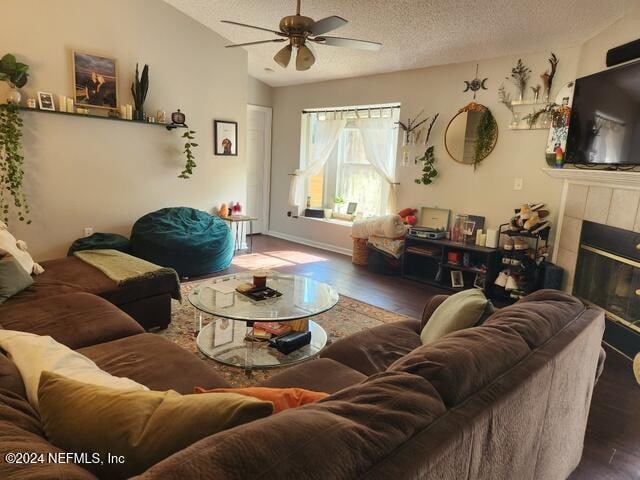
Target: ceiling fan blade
254 27
283 57
348 42
256 43
305 58
327 24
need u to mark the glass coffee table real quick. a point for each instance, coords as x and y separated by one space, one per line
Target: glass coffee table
228 339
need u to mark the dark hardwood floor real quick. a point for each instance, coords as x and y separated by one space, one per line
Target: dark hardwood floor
612 443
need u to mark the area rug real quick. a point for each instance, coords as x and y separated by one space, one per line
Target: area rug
347 317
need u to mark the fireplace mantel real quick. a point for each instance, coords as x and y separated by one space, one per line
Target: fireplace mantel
592 176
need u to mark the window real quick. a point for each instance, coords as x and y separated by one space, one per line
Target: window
337 147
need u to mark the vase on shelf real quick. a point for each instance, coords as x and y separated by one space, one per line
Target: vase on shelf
14 95
138 115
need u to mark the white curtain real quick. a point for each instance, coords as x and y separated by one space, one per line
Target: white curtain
380 149
326 135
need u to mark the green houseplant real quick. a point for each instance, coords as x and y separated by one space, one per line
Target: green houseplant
429 171
12 164
486 134
139 89
15 74
188 145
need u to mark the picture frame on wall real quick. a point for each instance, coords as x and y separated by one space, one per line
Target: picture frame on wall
95 80
45 101
225 137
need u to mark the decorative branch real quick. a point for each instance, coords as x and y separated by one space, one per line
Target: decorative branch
520 76
547 76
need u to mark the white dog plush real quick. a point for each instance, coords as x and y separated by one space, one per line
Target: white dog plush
17 249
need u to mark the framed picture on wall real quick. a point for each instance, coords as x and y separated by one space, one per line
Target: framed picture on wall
45 101
95 80
225 137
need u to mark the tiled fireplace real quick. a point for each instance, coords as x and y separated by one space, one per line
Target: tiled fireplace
599 233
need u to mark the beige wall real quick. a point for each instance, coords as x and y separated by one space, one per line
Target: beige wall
84 172
594 51
488 192
259 93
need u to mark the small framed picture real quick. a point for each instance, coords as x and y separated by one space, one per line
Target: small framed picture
351 209
456 279
45 101
95 80
479 281
225 137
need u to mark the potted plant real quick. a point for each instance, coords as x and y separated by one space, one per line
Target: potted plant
139 89
339 203
15 74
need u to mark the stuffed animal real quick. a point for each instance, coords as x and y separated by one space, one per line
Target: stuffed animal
408 215
530 217
223 211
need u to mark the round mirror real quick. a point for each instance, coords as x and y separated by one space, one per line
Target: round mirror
471 134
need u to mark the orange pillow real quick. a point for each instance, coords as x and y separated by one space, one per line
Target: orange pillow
282 398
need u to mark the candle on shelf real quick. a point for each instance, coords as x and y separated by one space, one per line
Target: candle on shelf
62 103
478 236
123 111
129 112
70 105
492 238
483 239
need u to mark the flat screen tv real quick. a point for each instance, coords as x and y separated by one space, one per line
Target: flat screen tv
605 118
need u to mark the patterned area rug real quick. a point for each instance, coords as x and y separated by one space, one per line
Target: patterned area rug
347 317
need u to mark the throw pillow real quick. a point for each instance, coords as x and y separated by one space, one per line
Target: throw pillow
18 249
13 278
462 310
282 398
142 427
32 354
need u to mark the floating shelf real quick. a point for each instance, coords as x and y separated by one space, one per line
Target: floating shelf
527 128
518 103
168 126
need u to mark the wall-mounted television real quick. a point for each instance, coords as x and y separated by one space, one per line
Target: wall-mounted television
605 118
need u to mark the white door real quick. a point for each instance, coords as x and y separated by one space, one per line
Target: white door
259 168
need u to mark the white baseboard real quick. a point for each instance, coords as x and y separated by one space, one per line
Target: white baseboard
311 243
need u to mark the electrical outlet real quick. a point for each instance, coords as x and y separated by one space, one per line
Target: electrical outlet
88 231
517 183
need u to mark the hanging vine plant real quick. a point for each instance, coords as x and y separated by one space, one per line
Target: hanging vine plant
429 171
12 165
190 164
486 134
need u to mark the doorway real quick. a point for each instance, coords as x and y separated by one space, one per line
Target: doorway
259 165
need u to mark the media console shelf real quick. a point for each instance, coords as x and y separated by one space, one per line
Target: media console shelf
168 126
428 261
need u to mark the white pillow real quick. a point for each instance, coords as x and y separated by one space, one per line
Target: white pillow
33 354
18 250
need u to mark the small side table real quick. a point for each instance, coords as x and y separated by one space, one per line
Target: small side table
240 221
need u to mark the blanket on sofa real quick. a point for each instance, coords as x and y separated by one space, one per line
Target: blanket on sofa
123 268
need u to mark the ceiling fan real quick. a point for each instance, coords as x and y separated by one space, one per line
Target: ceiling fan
298 30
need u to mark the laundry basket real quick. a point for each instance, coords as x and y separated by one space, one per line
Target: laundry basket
360 251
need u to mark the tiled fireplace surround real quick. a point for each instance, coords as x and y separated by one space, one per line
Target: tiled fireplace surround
606 197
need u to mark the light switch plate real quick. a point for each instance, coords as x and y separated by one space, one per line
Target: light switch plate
518 183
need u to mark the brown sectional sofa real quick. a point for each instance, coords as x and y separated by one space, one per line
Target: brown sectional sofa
508 399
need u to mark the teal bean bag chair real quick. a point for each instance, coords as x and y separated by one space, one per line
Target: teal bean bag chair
190 241
99 241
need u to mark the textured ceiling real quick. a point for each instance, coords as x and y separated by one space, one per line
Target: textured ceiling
414 33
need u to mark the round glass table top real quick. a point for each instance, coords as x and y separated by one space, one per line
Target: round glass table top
301 297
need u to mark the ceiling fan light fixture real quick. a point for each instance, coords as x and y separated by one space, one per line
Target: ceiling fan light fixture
283 57
305 58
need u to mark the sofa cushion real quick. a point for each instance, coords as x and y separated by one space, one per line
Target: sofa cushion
18 250
462 310
33 354
142 427
13 278
342 436
373 350
21 431
74 319
155 362
536 325
282 398
465 361
321 375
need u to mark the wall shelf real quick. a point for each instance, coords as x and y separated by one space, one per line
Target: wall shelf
524 127
518 103
168 126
